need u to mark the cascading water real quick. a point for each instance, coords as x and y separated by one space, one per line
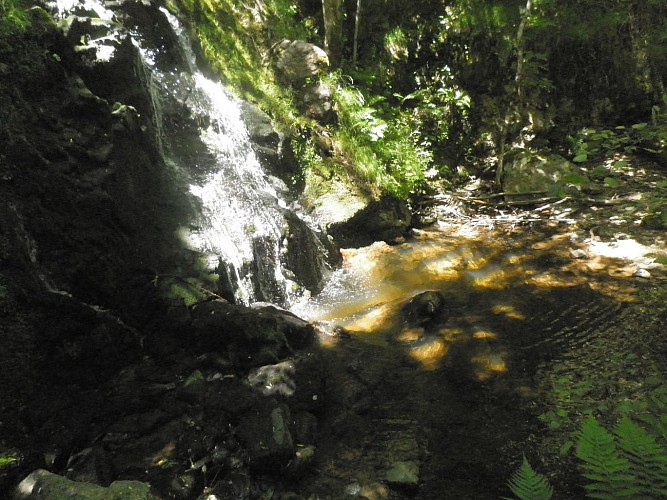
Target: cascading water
241 221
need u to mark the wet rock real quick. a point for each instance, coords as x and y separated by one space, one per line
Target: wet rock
44 485
387 219
273 149
252 336
425 308
266 436
330 334
310 256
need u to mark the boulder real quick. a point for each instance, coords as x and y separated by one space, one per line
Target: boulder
266 436
425 308
387 219
251 336
530 175
297 61
316 102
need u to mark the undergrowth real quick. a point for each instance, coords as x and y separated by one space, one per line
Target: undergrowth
628 462
14 16
379 141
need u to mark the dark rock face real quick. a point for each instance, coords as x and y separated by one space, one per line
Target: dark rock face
104 372
386 220
273 149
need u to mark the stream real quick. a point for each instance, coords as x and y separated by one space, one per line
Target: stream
230 396
455 404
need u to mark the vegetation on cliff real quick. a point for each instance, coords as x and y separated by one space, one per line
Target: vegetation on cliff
440 89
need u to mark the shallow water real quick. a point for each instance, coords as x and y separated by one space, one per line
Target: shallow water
458 398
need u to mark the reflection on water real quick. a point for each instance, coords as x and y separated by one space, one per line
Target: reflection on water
454 394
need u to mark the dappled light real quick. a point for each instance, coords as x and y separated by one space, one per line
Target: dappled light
486 273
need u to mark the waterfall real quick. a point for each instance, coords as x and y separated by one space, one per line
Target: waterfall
241 220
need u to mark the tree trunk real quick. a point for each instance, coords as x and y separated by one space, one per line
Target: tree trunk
357 21
514 113
333 30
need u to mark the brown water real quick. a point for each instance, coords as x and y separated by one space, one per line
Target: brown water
459 400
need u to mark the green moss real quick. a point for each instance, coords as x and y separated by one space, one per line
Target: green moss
187 292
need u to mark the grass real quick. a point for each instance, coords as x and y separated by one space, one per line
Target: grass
14 16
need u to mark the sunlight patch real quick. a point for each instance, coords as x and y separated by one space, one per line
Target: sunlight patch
509 311
430 354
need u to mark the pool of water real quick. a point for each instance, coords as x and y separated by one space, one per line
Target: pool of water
457 399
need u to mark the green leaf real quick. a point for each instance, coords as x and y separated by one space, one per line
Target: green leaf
620 164
580 158
575 179
527 484
611 182
639 126
662 259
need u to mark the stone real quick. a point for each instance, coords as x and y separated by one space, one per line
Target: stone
387 219
530 175
44 485
403 474
310 255
251 336
266 436
316 102
424 308
297 61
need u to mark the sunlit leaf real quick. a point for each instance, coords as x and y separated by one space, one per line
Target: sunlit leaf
575 179
580 158
611 182
620 164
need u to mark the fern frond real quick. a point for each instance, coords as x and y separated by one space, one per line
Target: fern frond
647 458
527 484
603 464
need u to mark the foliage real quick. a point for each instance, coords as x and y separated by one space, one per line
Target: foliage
236 38
527 484
13 16
627 464
378 142
9 460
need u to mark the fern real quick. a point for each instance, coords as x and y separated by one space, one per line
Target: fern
603 464
527 484
647 458
631 463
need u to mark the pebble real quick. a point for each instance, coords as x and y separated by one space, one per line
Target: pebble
577 253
